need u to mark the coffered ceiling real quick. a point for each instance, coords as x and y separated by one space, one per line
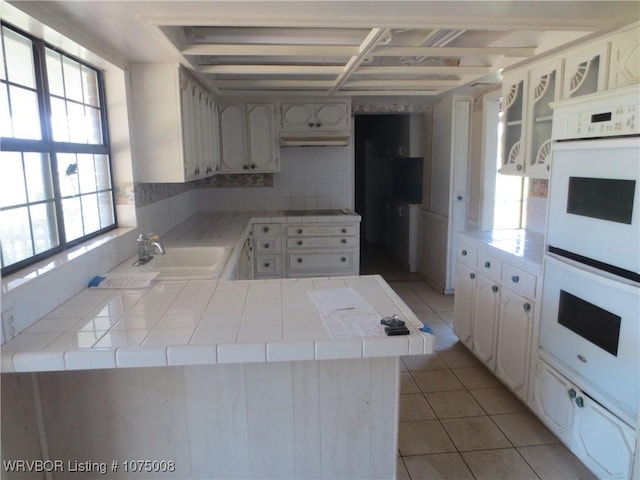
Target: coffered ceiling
368 49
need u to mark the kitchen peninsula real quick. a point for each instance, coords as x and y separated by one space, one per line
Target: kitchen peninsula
227 379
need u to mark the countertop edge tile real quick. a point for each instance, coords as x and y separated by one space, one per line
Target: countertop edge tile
91 359
42 361
242 353
179 355
127 357
290 351
338 348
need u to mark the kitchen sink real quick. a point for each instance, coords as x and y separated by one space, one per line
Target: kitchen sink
182 263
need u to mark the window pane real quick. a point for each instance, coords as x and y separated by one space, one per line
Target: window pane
6 129
59 123
3 75
68 174
103 179
19 57
86 173
54 73
72 218
15 235
77 123
38 173
43 223
25 116
94 126
90 87
90 213
105 203
72 79
12 188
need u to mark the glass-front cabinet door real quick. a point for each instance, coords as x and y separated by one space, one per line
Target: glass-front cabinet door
585 71
514 122
545 88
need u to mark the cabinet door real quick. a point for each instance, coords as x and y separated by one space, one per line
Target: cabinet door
514 123
585 71
553 401
515 324
463 304
485 320
298 116
545 88
332 116
233 139
603 442
262 137
190 117
624 67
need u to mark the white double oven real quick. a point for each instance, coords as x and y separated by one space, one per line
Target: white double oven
590 318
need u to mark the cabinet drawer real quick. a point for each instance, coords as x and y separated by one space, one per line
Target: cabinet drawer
321 230
321 242
320 261
262 229
489 266
519 280
266 245
267 265
467 255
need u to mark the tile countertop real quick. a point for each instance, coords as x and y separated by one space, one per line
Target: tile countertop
520 247
178 323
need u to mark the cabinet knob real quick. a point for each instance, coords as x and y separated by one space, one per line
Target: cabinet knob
459 197
464 253
300 231
299 242
472 276
253 166
344 230
265 229
266 245
487 264
197 171
266 265
572 393
527 307
310 124
343 259
580 402
245 167
519 168
209 169
515 278
494 289
318 125
344 240
548 168
299 260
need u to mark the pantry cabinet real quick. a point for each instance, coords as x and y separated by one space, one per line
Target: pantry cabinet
248 138
175 139
603 442
316 116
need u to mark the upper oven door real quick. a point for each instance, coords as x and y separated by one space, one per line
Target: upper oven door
594 201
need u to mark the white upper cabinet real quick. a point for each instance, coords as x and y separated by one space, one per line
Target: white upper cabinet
514 94
585 70
624 65
316 116
175 134
248 138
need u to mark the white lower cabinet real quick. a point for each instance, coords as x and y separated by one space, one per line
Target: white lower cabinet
485 320
463 304
603 442
267 250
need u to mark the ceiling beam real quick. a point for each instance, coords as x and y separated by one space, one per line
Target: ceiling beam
370 42
424 70
270 50
453 51
271 69
274 84
385 93
400 84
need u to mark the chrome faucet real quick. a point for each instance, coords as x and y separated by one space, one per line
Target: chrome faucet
148 246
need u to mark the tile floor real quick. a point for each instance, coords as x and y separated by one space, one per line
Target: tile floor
457 421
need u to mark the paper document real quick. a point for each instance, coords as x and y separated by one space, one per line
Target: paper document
346 314
123 280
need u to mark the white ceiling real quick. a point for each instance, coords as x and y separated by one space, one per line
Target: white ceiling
416 50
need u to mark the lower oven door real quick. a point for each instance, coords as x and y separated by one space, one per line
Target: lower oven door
591 324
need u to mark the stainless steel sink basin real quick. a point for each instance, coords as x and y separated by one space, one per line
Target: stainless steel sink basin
182 263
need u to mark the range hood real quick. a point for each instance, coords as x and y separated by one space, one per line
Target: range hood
314 139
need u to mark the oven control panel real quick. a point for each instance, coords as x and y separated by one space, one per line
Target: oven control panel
603 114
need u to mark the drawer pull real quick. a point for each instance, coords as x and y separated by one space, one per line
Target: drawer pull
472 276
310 124
300 231
343 259
266 245
299 242
515 278
267 265
527 307
265 229
299 260
494 289
344 240
580 402
464 253
344 230
572 394
487 264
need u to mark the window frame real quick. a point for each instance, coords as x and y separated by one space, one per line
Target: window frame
47 145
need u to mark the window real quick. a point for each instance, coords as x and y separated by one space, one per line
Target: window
55 173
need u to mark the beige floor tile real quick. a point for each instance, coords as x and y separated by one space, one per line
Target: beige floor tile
555 462
407 384
504 464
431 318
423 437
498 400
401 471
476 377
454 404
437 381
475 433
424 362
462 358
403 367
446 316
415 407
437 466
524 429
